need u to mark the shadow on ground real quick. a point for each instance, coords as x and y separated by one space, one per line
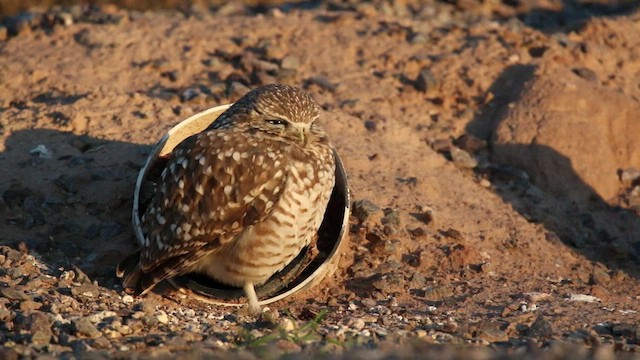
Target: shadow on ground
68 198
603 233
573 15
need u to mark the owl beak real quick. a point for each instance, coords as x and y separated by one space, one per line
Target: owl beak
301 134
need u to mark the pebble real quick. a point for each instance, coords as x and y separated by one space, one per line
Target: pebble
323 82
583 298
162 317
41 151
84 327
427 214
236 90
86 290
441 145
418 38
290 62
100 316
470 143
586 74
287 325
485 183
463 159
13 294
364 209
628 176
626 330
189 94
127 299
541 328
391 218
425 81
357 324
29 305
369 302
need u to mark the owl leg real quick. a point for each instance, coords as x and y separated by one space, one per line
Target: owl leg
250 292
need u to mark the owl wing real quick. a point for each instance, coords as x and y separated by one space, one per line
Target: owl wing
216 184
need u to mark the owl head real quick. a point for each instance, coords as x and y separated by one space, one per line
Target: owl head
277 110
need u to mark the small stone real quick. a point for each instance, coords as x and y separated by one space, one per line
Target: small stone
391 218
427 214
287 325
370 125
84 327
290 62
462 159
30 305
418 38
541 328
100 316
449 327
323 82
237 90
189 94
586 74
65 18
628 176
13 294
441 145
511 308
369 302
470 143
493 334
600 276
598 291
425 81
41 337
86 290
390 283
625 330
231 8
288 346
534 297
162 317
583 298
127 299
41 151
363 209
357 324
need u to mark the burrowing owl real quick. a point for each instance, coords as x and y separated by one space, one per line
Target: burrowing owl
239 200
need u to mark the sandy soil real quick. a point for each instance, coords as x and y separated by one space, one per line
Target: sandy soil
491 162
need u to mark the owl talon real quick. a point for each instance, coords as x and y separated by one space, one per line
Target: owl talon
252 299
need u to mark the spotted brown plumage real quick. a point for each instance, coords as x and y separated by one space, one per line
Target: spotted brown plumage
240 200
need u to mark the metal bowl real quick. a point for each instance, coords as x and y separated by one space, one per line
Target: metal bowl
307 270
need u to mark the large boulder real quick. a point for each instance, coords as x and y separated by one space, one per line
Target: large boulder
571 135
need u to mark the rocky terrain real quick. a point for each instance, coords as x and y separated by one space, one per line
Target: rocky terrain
491 151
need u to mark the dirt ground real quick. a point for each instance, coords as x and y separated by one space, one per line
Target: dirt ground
491 150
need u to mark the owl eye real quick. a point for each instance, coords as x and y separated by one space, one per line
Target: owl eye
277 122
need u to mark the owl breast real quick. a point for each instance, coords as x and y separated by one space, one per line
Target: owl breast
267 247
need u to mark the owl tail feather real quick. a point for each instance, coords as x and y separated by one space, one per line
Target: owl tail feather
129 269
